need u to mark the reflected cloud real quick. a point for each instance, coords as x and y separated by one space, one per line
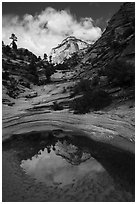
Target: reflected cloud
54 169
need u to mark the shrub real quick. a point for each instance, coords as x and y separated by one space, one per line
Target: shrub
6 49
92 98
121 73
57 106
64 90
12 87
84 85
24 83
80 105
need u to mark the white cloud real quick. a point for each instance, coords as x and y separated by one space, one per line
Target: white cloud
42 32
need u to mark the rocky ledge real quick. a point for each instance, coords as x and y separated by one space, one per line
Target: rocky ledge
115 125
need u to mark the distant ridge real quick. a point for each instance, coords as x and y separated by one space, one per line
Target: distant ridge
67 47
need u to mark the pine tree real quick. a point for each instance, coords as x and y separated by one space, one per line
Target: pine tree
14 38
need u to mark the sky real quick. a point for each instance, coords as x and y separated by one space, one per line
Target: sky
41 26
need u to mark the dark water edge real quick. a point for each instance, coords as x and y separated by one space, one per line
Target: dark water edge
108 174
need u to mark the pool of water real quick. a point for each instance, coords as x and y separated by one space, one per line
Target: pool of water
61 164
74 168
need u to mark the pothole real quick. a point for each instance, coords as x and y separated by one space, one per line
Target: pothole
60 164
48 160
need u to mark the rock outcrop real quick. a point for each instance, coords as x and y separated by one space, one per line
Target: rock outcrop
20 53
20 70
116 43
65 50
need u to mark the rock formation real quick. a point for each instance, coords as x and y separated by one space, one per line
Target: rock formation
116 43
21 69
68 46
31 107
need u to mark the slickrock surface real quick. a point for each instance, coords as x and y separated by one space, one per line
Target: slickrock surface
117 42
115 125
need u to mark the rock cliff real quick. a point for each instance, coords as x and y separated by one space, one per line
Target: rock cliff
65 50
116 43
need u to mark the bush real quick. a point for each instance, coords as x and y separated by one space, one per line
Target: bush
121 73
84 85
6 49
91 97
12 87
57 106
64 90
80 105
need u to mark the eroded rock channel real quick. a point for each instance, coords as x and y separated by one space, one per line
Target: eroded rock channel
43 166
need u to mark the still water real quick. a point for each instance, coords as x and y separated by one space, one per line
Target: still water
41 167
63 164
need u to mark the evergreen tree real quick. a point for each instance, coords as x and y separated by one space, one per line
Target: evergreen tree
13 38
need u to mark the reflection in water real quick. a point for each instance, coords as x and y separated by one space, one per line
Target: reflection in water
61 164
